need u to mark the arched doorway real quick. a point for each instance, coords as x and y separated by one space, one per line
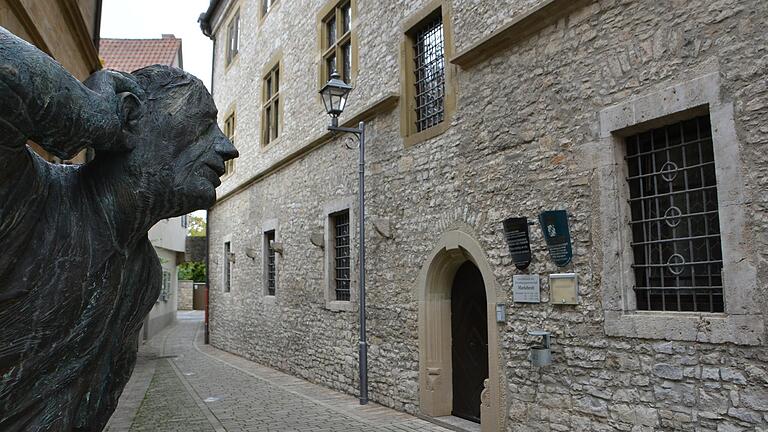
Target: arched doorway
469 341
457 258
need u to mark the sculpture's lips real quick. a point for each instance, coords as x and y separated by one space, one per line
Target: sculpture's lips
218 169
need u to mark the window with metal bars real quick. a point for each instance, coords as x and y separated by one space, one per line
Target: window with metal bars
341 257
271 115
227 266
337 42
233 37
269 262
674 218
429 71
229 131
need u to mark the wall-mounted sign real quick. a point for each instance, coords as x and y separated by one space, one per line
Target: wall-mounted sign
554 224
518 241
563 288
526 289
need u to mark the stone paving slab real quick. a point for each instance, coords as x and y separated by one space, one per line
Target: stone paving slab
195 387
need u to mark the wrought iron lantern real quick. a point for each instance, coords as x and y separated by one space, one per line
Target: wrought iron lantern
334 94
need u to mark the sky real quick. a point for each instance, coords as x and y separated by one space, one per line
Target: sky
142 19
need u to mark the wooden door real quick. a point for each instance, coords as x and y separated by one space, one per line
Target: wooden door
469 333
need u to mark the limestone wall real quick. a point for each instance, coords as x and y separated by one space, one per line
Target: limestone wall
523 140
185 294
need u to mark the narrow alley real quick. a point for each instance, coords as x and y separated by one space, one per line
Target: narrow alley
180 384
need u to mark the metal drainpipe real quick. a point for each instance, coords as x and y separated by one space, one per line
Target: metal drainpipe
208 224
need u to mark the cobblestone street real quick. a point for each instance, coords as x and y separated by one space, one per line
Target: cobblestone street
180 384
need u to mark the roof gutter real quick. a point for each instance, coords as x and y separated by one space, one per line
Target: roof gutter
205 18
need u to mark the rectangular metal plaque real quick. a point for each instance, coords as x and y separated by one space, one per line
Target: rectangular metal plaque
526 289
563 288
518 241
554 225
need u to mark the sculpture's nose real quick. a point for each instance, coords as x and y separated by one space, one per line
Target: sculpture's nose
225 148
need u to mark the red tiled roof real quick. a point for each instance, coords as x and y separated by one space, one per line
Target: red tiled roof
127 55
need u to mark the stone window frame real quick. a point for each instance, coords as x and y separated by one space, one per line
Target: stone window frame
330 208
230 130
407 81
274 64
233 31
265 7
267 226
226 288
742 321
333 7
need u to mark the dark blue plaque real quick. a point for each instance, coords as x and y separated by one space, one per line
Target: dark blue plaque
518 241
554 224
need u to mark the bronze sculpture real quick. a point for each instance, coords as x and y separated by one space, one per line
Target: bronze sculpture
77 271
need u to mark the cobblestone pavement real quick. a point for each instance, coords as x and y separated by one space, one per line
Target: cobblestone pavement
180 384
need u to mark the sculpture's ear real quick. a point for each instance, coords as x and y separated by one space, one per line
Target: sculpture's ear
127 95
130 110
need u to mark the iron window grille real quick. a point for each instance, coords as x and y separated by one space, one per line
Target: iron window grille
674 218
341 258
165 289
271 106
229 131
227 267
429 71
269 237
233 37
337 43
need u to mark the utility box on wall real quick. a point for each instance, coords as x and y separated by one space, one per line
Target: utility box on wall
564 288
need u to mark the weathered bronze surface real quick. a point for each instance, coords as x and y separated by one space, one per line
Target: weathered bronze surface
77 271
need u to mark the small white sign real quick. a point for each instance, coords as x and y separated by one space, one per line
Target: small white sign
526 288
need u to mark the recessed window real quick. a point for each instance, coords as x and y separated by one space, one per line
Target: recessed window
228 261
229 131
429 71
165 289
337 42
269 262
428 83
266 6
675 218
341 257
233 37
271 113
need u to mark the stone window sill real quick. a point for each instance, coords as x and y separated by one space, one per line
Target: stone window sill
686 326
340 306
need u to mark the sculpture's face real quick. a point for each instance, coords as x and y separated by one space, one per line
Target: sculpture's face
180 149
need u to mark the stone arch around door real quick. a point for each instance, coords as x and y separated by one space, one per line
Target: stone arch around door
433 289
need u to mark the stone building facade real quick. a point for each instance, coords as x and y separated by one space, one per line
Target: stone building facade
66 30
542 102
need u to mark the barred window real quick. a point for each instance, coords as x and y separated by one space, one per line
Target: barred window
233 37
165 289
674 218
341 258
227 266
271 105
269 238
337 42
429 56
229 131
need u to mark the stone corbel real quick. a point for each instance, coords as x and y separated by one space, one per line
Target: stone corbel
276 246
383 226
317 239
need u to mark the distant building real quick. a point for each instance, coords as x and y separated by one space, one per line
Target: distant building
67 30
167 236
645 120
